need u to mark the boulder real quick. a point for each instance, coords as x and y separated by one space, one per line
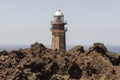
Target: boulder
77 49
37 47
99 48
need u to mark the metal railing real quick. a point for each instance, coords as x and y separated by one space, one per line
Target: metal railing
65 28
58 22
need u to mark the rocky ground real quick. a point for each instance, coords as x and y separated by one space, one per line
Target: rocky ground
41 63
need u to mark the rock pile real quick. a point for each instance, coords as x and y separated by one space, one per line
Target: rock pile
41 63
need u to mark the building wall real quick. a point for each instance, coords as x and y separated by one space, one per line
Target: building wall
55 41
62 41
58 40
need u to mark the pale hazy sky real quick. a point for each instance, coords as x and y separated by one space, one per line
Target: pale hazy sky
27 21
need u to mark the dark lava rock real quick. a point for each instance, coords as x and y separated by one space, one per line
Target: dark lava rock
37 48
99 47
41 63
4 52
77 49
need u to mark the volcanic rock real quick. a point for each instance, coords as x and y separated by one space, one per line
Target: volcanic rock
41 63
77 49
37 48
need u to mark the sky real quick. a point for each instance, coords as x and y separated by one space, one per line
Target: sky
23 22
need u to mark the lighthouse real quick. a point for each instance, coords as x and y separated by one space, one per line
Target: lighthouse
58 30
